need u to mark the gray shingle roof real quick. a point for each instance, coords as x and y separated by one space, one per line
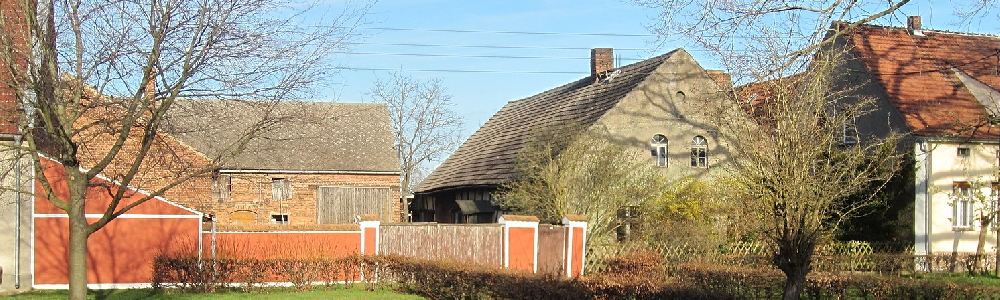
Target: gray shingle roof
300 136
488 157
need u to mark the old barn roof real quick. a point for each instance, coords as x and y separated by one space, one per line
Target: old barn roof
298 136
938 81
488 156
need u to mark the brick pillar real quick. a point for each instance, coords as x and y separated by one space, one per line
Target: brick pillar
520 242
576 244
369 234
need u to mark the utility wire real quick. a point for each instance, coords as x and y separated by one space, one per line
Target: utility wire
472 55
511 32
491 46
462 71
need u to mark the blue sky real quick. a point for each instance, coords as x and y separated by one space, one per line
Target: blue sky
399 34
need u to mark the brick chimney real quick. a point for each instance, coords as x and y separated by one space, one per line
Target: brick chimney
913 25
601 60
723 79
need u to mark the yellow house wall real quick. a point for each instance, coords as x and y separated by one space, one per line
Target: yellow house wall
947 167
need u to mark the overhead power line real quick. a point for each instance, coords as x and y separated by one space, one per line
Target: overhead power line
512 32
490 46
463 71
472 55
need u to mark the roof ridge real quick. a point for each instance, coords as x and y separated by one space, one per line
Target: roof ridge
925 30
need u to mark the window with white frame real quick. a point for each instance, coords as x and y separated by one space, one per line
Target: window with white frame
994 203
962 197
658 148
699 152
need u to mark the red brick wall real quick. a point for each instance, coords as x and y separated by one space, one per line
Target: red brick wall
252 192
13 43
169 161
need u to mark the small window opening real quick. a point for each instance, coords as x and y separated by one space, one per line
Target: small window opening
281 219
964 152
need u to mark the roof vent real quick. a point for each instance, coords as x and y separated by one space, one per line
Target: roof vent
913 25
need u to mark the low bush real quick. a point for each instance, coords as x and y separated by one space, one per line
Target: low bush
768 282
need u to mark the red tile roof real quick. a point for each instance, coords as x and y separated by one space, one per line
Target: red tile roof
922 77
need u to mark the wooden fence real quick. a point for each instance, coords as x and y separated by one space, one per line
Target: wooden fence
473 243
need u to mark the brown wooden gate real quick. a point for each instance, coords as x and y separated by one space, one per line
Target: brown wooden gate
552 249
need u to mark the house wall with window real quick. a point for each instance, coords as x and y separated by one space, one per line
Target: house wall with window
955 184
667 119
297 199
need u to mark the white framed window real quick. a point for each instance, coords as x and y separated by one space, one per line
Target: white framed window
962 197
699 152
994 203
658 148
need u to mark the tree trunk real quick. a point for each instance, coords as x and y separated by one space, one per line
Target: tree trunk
79 231
980 259
77 251
794 259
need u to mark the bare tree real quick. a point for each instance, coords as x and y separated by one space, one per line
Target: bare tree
755 39
793 170
425 126
94 80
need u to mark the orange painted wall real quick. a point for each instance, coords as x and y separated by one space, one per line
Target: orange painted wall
522 248
576 266
122 251
269 245
370 240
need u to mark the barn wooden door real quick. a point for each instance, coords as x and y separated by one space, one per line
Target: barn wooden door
339 205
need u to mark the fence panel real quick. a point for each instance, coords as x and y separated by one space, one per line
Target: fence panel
472 243
552 249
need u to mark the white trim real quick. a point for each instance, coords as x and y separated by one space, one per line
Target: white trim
124 216
534 263
506 246
366 225
96 286
309 172
121 286
270 232
519 224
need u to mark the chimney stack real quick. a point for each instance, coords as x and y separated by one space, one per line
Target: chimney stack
601 60
913 25
723 79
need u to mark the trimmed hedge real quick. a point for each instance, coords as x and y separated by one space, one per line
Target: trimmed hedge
767 283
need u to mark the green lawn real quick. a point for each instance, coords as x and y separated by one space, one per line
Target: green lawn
337 293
